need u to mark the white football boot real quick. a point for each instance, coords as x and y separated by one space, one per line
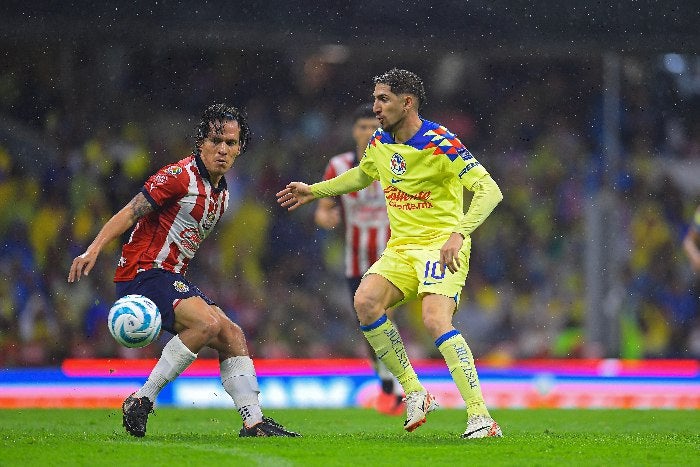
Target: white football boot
418 405
481 426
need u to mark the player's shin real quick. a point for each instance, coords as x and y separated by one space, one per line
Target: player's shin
176 357
241 383
460 362
388 346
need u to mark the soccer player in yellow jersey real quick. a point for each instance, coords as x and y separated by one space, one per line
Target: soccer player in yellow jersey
423 169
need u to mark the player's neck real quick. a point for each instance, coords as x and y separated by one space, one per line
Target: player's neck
215 180
408 127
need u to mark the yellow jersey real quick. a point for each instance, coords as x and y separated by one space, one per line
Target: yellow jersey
423 181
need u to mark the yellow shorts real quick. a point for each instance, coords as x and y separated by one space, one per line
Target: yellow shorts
416 272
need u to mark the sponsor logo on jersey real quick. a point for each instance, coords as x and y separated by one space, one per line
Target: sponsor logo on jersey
158 179
174 170
467 168
191 239
401 200
398 164
464 153
181 286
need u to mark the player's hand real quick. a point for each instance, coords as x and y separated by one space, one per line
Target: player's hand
449 253
296 194
82 265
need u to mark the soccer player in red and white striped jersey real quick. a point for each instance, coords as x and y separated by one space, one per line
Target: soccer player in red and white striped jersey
174 212
364 216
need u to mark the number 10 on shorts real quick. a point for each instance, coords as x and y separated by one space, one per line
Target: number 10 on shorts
432 270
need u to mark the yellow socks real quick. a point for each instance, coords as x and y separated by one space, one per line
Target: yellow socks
460 362
387 344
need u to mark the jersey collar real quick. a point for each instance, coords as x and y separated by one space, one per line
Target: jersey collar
421 131
205 174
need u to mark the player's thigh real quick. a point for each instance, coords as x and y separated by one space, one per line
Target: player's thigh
194 313
377 291
399 284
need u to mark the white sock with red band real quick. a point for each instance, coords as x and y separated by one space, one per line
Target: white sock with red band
175 359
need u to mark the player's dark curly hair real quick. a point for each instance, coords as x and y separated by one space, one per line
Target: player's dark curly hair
403 82
214 116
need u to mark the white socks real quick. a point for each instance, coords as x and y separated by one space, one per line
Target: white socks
240 382
237 376
176 357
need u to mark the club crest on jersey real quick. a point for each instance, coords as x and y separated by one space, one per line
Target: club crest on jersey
398 164
173 170
181 286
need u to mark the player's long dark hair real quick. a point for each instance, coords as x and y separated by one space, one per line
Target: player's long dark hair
214 116
403 82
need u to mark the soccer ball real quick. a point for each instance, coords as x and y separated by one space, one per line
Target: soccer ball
134 321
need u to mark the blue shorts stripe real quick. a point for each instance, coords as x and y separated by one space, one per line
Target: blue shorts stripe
444 337
374 325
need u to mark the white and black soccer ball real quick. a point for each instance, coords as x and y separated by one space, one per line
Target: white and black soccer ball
134 321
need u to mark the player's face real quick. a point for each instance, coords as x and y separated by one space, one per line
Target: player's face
220 148
363 129
389 107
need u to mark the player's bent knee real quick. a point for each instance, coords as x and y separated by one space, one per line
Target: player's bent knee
436 325
230 331
430 323
367 308
209 324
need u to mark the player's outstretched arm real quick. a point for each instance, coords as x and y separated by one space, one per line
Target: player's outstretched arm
298 193
117 225
294 195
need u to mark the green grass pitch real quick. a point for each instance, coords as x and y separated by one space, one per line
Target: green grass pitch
350 437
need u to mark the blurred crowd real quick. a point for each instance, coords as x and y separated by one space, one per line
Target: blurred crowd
71 160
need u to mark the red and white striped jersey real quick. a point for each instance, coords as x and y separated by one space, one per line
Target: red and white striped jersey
366 221
186 208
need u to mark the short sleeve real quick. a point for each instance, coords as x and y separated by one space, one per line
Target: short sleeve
368 166
167 185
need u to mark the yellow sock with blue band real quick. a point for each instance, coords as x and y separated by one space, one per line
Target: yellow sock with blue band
460 362
388 346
